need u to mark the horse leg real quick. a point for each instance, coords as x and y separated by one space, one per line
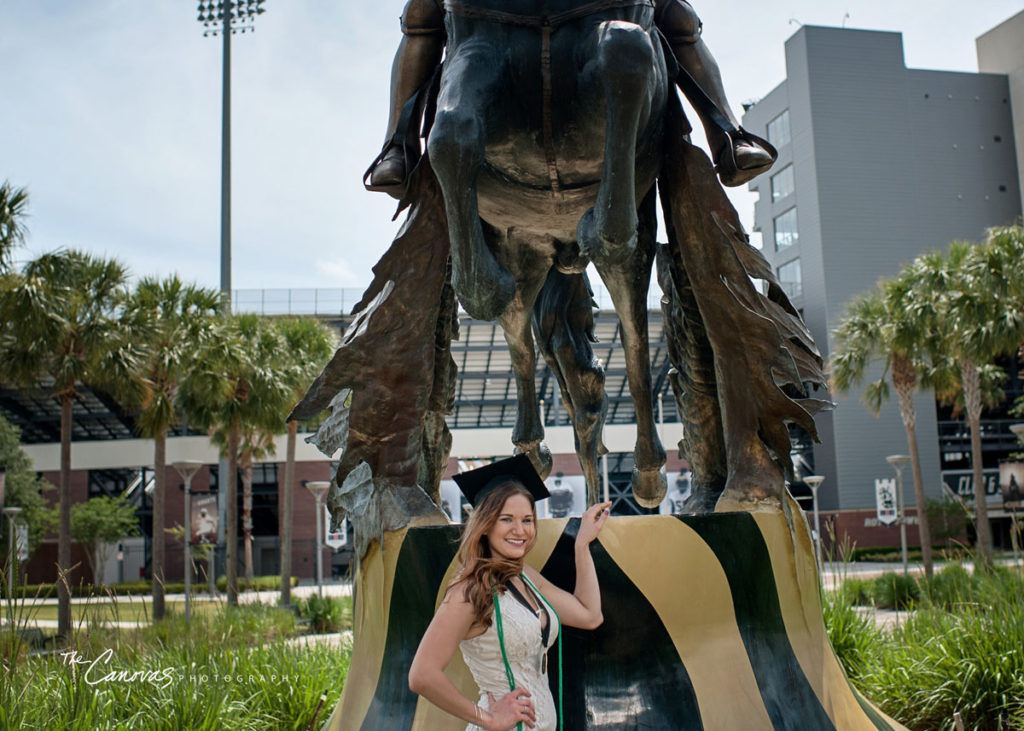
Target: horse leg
530 271
628 282
626 69
470 88
563 321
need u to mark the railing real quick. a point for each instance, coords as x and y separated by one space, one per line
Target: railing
333 302
323 302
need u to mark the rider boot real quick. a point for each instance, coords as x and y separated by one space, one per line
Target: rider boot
739 155
418 55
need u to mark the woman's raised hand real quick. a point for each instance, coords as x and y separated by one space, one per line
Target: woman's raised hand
592 522
513 707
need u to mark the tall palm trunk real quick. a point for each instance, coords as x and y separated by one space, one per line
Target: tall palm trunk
287 497
159 543
905 381
972 401
64 521
246 461
231 496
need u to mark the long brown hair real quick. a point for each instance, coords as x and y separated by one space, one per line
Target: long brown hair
482 571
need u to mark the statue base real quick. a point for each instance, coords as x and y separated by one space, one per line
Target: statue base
711 622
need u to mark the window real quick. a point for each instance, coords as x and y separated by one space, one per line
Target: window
789 278
782 183
785 229
778 129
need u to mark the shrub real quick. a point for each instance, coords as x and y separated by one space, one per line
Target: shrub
894 591
258 583
327 614
855 591
948 588
853 635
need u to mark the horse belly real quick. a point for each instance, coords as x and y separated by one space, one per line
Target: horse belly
504 204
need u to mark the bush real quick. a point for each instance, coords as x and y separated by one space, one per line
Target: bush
258 583
938 663
853 635
327 614
894 591
855 591
948 588
232 669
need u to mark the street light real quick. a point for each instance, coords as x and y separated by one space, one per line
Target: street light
814 482
240 15
12 556
898 462
187 468
319 490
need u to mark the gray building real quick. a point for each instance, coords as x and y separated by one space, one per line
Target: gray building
1001 51
877 163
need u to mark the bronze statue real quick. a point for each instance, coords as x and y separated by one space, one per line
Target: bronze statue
546 131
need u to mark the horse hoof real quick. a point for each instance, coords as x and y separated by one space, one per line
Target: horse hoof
649 487
487 298
701 502
592 245
755 493
570 260
540 457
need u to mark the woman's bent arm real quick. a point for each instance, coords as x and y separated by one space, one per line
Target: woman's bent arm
582 608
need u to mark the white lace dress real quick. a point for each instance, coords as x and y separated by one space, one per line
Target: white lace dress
522 631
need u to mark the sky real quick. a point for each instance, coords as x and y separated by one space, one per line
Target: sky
110 116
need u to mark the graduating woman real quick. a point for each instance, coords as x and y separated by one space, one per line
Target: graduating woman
502 614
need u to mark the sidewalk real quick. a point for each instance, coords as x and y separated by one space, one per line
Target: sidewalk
302 591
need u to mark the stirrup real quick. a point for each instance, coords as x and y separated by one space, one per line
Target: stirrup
395 190
725 161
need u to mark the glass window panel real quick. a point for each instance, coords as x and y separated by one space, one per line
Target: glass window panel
782 183
790 278
786 233
778 129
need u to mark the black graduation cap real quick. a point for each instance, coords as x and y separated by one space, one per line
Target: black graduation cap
475 484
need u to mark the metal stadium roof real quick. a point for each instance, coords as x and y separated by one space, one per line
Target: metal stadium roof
485 392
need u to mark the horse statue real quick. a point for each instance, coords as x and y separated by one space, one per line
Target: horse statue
546 133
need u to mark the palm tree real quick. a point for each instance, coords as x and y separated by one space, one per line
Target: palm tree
13 211
257 443
877 327
308 345
973 318
236 387
59 328
168 321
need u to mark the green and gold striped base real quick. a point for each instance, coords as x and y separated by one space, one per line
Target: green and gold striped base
711 622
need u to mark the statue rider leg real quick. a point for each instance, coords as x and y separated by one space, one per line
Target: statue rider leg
418 55
739 156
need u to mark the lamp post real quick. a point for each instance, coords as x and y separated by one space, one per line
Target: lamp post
11 514
814 482
319 490
227 17
186 468
898 462
1018 431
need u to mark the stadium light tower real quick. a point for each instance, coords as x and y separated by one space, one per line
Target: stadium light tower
226 17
